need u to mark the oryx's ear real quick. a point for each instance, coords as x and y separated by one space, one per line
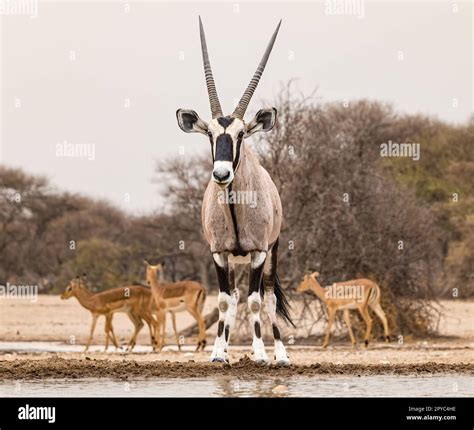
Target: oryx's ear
189 121
264 120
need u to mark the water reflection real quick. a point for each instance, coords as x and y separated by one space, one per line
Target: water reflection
325 386
228 387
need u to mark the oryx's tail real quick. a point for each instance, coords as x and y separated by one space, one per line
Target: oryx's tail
282 305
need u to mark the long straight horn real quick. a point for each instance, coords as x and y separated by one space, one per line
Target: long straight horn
245 100
216 109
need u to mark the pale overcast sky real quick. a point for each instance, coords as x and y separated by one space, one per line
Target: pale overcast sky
113 74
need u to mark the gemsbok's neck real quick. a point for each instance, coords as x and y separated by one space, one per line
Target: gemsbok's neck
248 170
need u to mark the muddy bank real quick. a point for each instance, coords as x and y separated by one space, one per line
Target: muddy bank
244 368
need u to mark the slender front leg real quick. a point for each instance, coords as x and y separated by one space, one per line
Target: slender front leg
94 322
219 352
161 327
332 315
255 303
107 335
347 319
234 301
108 328
173 321
112 334
365 315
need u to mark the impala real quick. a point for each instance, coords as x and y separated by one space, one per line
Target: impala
176 297
358 294
134 300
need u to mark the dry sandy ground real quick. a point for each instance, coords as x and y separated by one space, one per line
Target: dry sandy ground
50 319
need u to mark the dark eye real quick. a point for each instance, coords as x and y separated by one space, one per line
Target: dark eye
241 135
209 134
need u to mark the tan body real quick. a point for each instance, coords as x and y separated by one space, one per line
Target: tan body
360 294
176 297
133 300
259 226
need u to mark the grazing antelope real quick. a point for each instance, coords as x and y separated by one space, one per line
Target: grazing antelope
356 294
240 230
134 300
176 297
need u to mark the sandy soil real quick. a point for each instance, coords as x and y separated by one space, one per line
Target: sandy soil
244 368
50 319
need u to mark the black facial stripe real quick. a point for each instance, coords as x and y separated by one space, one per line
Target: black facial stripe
225 121
224 148
237 153
212 146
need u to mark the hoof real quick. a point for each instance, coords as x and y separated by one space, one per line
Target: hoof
387 339
366 342
283 363
262 361
218 360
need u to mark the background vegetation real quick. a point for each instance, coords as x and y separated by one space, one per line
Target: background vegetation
348 212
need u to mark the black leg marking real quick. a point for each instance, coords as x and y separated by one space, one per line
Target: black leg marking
222 278
276 332
237 152
227 331
220 328
257 329
255 279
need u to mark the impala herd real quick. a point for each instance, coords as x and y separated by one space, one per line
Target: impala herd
142 303
238 232
151 303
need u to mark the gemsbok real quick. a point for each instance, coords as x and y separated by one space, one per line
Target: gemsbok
175 297
239 229
360 294
134 300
